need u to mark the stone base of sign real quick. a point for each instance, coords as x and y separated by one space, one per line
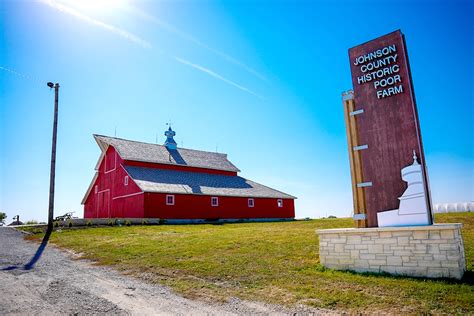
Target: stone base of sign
435 251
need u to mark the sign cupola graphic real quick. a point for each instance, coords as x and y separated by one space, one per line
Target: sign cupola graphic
389 177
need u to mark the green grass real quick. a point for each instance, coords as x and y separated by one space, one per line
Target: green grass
271 262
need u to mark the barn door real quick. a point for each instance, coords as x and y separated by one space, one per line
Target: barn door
103 204
107 203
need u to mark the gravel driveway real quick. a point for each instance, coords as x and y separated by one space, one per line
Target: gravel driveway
59 285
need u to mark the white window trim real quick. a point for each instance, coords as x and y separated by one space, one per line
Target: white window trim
251 204
170 196
280 202
212 201
125 180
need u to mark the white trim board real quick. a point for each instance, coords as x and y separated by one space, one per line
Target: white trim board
127 195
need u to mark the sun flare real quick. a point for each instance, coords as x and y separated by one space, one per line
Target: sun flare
95 5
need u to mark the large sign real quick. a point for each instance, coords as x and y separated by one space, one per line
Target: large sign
387 159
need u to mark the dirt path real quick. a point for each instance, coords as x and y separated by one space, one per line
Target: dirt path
59 285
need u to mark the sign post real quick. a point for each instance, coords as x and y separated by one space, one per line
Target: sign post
358 194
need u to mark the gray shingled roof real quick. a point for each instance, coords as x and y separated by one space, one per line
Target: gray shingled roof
179 182
138 151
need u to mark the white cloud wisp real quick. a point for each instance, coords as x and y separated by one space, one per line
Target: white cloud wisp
215 75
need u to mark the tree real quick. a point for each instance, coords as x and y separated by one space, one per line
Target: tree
3 217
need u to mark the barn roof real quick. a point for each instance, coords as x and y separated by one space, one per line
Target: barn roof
179 182
154 153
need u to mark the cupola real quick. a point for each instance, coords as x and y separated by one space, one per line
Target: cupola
170 143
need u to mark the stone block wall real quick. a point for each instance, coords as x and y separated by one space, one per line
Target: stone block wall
435 251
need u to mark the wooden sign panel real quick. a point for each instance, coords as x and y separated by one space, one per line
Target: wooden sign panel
389 145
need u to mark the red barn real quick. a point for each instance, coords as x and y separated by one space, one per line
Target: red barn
141 180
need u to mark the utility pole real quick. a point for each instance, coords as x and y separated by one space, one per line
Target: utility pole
53 156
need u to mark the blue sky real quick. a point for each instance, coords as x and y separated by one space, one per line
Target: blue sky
258 80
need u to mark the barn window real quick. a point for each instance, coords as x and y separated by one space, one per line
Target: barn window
280 203
251 202
125 180
96 189
170 200
214 201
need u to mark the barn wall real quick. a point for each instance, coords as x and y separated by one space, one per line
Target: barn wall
178 168
113 198
199 207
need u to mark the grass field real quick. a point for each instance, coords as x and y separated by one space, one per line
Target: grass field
271 262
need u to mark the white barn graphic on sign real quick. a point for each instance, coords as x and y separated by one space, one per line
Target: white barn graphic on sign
413 209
